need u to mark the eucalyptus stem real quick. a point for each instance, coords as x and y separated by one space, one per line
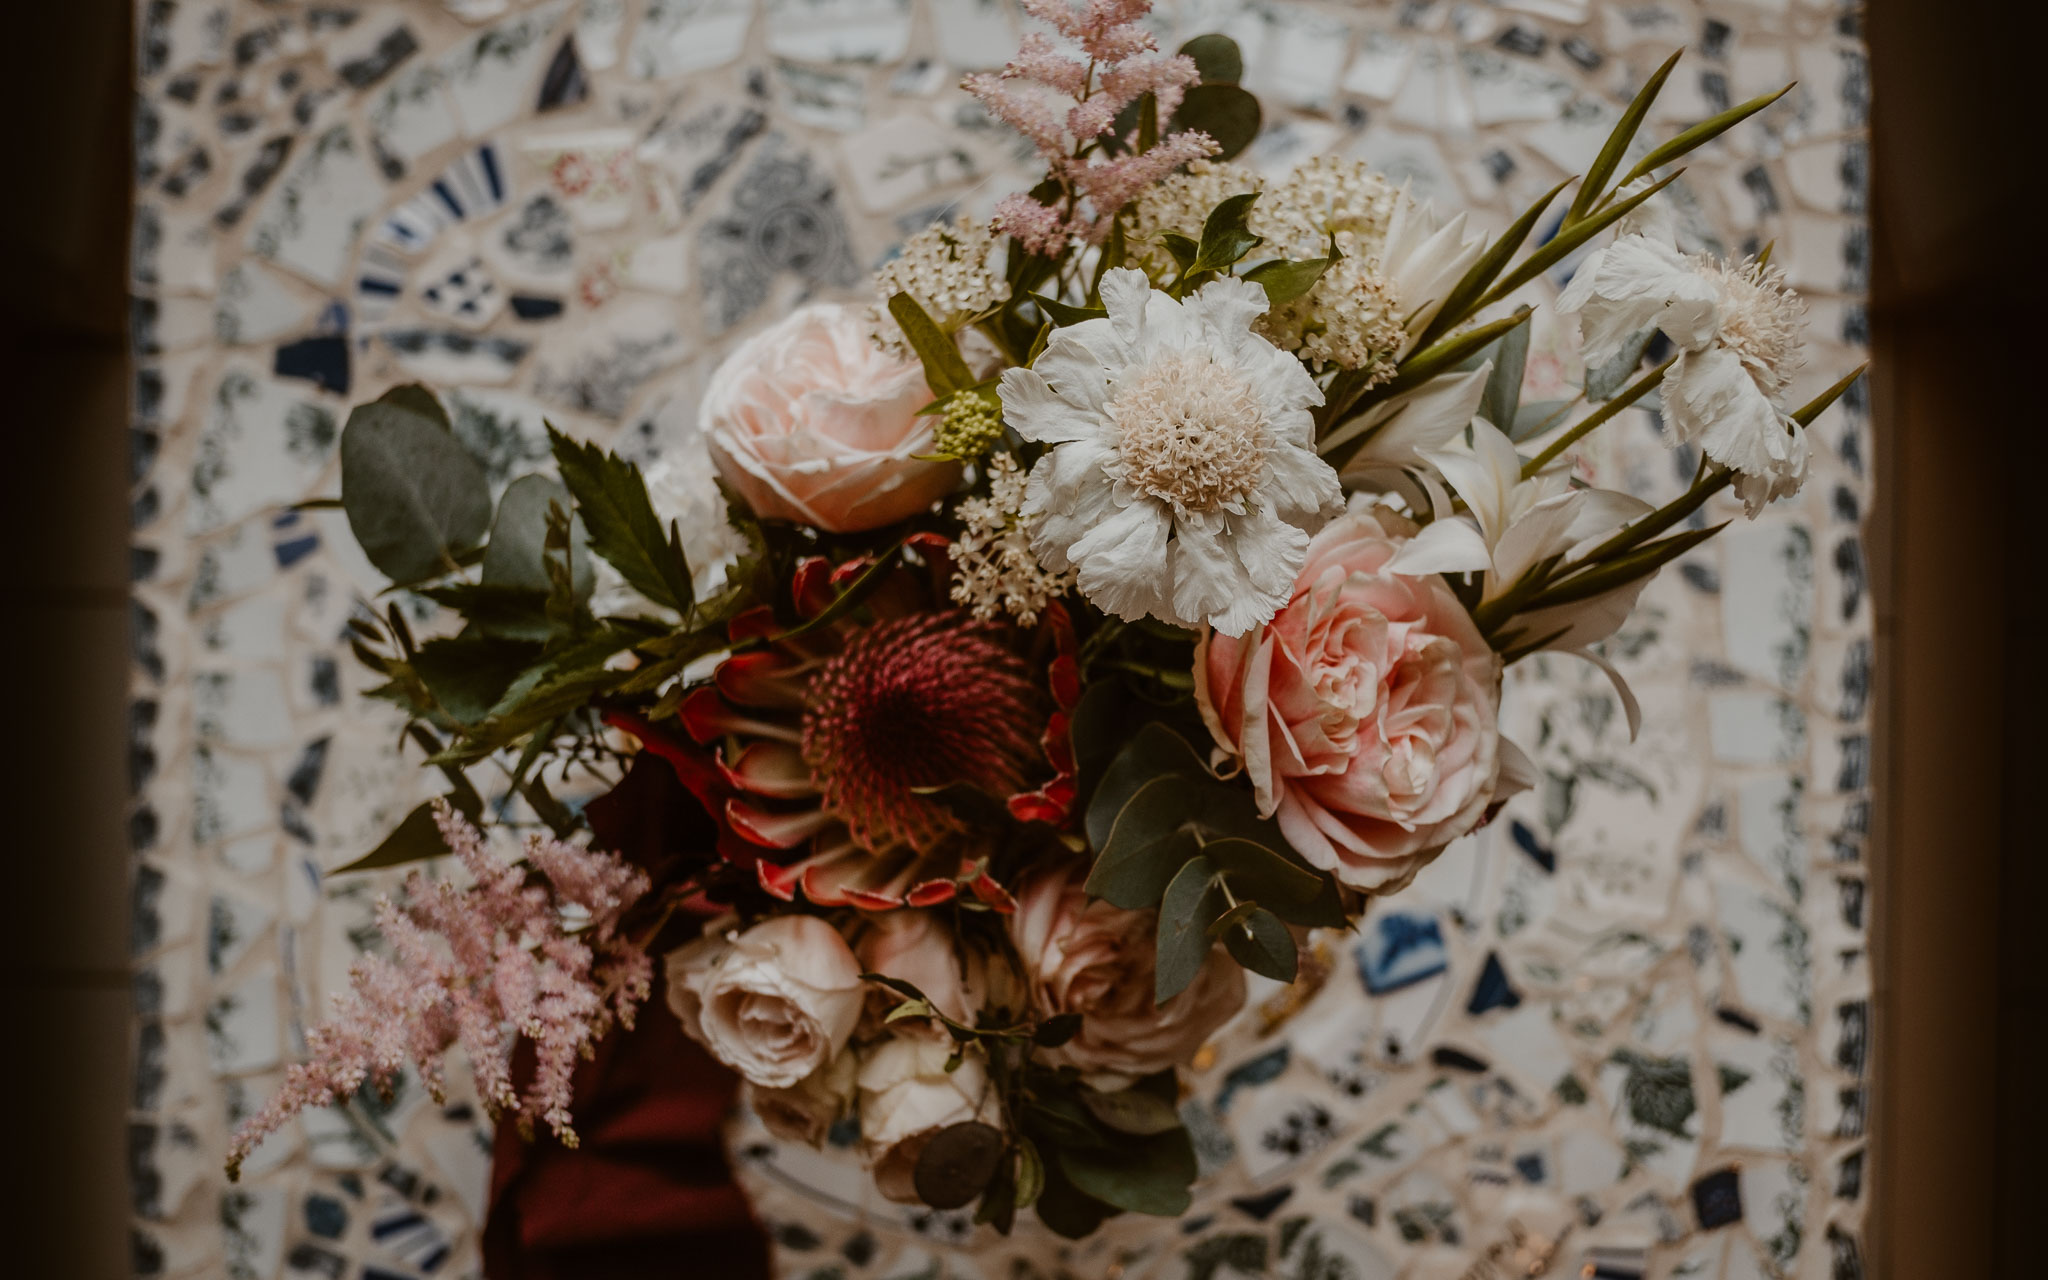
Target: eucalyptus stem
1636 391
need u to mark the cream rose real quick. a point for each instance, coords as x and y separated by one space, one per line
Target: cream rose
1365 713
812 421
1097 960
916 947
774 1003
906 1096
806 1111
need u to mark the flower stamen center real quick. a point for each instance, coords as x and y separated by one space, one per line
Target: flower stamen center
1191 433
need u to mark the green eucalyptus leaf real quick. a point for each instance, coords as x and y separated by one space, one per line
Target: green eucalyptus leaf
1056 1030
1147 846
1225 112
1067 1210
1262 944
1217 57
944 368
515 557
1153 750
611 498
1284 279
1149 1175
415 398
415 498
1131 1111
1502 398
1256 870
1192 901
1184 250
416 838
1538 419
1604 382
510 613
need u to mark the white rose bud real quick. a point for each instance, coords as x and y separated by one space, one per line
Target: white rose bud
806 1111
906 1096
774 1004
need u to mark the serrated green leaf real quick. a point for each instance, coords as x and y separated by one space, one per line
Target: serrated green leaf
416 838
1595 184
469 674
611 497
1217 57
1225 112
515 559
945 370
1192 901
1284 280
1262 944
415 498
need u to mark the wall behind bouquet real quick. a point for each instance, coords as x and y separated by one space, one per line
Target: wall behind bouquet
1624 1029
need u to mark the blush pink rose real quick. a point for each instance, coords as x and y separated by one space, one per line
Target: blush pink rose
812 421
1365 713
1097 960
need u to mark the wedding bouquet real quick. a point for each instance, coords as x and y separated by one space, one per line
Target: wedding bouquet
1016 660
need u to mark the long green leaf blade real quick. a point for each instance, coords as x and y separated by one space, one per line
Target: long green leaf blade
1702 133
1568 238
945 369
1616 146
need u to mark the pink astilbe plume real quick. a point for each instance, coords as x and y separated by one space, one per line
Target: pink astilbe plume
1122 63
480 967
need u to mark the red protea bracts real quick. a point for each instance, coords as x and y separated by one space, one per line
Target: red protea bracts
848 733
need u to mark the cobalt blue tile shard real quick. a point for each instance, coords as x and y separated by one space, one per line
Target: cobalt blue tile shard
1717 1198
326 1216
1400 948
1493 990
532 307
1525 839
323 361
292 538
564 85
1262 1207
1266 1067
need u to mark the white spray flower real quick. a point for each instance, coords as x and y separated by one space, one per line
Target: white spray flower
1183 480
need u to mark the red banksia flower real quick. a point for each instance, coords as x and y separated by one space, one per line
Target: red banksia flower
840 740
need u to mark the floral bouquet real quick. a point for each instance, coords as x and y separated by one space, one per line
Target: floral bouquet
1015 661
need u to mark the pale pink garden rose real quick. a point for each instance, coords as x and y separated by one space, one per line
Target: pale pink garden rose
775 1003
1088 957
811 420
1365 713
916 947
906 1096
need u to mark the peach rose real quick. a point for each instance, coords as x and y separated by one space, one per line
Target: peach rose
775 1003
1365 713
1097 960
811 421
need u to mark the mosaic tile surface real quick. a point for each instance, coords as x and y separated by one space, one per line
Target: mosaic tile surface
1621 1033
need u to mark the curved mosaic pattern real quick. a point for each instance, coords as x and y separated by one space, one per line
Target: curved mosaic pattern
1621 1033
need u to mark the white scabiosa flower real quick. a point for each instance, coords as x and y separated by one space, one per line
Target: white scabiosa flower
1183 481
1737 328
